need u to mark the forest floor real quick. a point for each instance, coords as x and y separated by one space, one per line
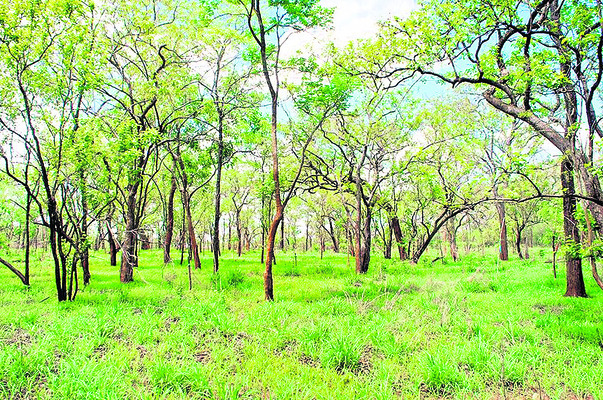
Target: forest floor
476 328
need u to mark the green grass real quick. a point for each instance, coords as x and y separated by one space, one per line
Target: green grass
471 329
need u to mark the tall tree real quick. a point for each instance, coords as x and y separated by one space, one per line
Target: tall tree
270 24
539 62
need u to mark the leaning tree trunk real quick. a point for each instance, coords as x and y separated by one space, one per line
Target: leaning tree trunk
573 262
333 237
169 223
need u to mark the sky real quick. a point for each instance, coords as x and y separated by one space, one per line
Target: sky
356 19
353 19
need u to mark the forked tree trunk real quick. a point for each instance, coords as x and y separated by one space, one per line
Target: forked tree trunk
186 203
191 231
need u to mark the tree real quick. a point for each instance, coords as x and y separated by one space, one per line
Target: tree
148 91
539 62
270 25
48 52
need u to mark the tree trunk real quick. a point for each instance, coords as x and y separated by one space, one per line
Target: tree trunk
503 250
363 234
129 256
239 228
307 236
27 238
186 203
263 227
229 233
388 241
573 262
24 279
282 244
84 251
191 232
395 224
451 235
333 238
268 282
113 247
169 223
518 232
217 212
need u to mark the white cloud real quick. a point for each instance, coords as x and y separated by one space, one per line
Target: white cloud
353 19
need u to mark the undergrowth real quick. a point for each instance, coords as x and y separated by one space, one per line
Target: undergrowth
469 329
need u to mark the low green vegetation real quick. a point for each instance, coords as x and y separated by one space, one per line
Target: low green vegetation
476 328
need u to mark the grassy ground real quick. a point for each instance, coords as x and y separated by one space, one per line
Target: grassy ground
471 329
